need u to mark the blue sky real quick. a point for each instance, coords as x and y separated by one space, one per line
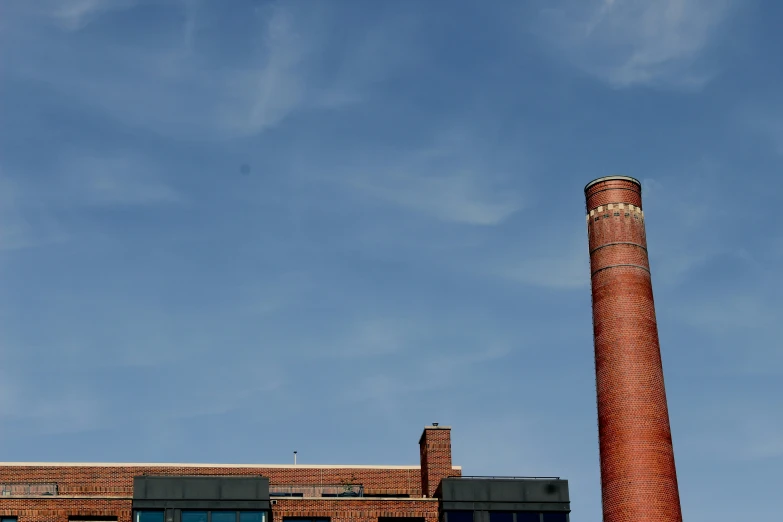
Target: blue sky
232 230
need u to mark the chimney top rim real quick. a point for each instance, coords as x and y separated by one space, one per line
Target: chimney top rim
613 178
432 428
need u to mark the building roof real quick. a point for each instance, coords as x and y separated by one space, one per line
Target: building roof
191 465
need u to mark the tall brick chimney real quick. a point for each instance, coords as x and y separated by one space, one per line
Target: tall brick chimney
638 477
435 451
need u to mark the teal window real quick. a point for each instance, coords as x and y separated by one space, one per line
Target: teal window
195 516
251 516
224 516
148 516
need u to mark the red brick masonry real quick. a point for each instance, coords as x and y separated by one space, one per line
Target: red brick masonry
435 451
107 489
638 476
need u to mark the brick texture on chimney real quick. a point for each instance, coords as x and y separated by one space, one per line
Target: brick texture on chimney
435 451
638 476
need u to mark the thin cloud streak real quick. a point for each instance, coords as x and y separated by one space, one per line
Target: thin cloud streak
766 122
176 92
73 15
550 264
628 43
118 180
172 91
457 196
27 223
442 180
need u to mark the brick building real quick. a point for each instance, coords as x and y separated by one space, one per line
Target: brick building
434 491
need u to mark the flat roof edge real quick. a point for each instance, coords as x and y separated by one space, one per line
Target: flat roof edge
185 465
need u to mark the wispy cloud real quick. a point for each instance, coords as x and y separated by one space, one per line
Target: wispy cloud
178 88
122 179
437 372
232 385
458 196
444 180
742 326
748 428
634 42
731 312
26 221
377 336
68 411
31 203
73 15
171 89
264 96
551 264
682 241
765 121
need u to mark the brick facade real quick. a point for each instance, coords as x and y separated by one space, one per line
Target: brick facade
94 490
638 476
59 509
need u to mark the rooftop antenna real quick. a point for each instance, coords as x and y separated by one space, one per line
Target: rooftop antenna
435 424
294 458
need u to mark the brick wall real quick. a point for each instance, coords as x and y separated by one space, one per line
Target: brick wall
340 510
107 490
435 451
117 480
638 477
344 510
58 509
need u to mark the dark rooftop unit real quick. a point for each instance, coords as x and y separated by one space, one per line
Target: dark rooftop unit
508 494
201 492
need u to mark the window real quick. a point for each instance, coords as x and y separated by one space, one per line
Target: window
251 516
459 516
224 516
501 516
555 517
8 519
195 516
149 516
528 516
